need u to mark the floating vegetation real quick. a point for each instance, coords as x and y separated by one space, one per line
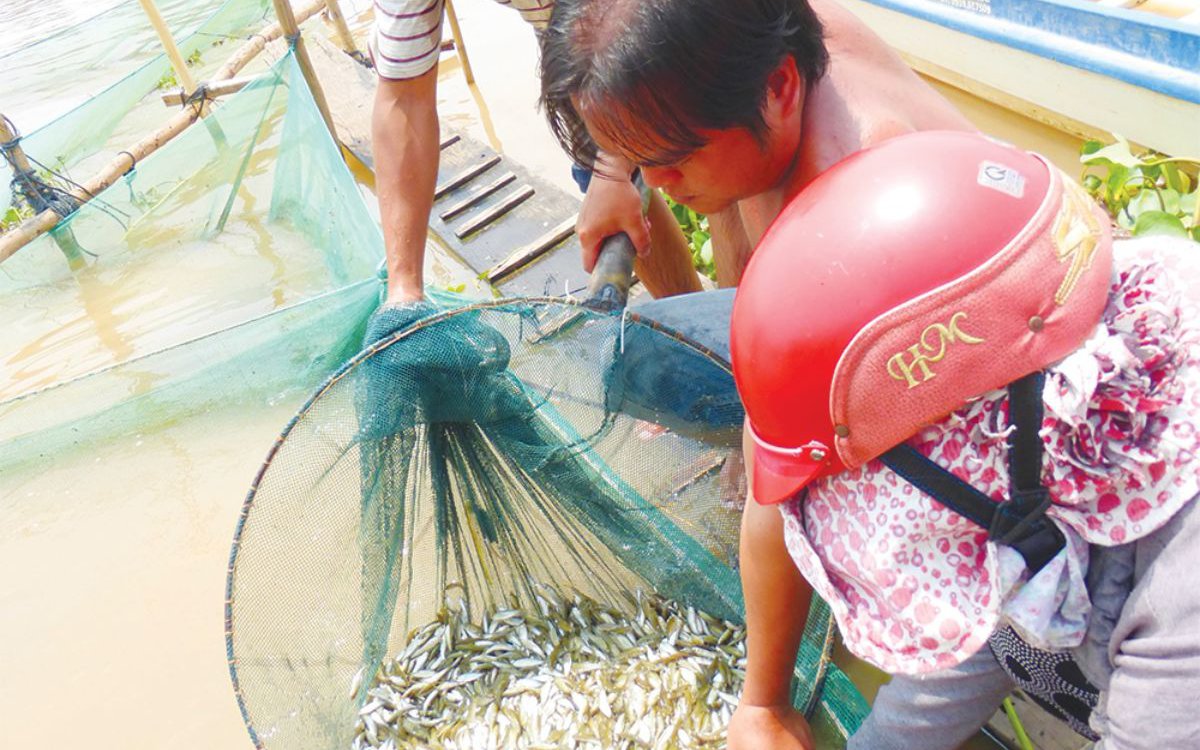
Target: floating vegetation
696 231
575 673
1146 193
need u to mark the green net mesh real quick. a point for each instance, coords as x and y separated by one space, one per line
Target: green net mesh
228 206
115 62
467 461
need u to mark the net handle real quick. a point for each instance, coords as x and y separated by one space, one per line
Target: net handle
608 288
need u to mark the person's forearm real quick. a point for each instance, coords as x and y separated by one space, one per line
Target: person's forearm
777 600
405 134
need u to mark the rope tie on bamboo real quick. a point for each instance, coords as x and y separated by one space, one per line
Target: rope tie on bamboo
29 185
8 147
200 95
132 162
292 39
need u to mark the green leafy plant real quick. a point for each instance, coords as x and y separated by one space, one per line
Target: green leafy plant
13 216
699 238
1146 193
170 80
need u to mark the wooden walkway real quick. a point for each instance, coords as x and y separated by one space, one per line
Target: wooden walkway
511 227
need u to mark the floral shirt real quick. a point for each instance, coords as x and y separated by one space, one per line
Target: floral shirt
917 588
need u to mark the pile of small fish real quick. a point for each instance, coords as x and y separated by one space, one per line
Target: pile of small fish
574 673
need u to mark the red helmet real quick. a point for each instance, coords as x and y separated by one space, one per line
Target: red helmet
904 281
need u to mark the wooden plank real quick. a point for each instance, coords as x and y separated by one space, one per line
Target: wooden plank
495 212
520 227
557 272
477 196
462 178
532 251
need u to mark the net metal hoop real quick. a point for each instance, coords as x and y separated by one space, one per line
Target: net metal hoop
825 661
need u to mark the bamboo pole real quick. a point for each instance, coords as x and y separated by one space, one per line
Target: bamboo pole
182 74
333 13
187 84
66 239
459 46
31 229
291 30
214 90
7 135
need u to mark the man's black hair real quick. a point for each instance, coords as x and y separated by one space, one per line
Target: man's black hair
675 66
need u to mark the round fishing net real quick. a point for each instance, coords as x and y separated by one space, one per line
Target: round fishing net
483 465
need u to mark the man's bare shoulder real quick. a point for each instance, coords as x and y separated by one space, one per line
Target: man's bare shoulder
869 93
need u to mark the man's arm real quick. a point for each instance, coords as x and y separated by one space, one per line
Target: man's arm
404 128
777 601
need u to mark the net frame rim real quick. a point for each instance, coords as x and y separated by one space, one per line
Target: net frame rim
367 352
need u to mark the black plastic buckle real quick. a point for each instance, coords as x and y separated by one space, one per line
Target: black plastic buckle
1021 523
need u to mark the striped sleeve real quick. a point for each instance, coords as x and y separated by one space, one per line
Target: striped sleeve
535 12
406 38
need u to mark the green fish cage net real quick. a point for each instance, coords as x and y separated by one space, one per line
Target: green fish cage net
116 67
231 272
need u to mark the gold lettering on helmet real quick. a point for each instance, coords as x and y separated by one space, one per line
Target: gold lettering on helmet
912 364
1077 235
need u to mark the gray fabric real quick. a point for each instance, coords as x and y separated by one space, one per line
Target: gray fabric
1109 582
1153 696
1151 661
702 316
659 379
938 712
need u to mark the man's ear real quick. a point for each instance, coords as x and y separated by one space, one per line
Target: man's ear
785 92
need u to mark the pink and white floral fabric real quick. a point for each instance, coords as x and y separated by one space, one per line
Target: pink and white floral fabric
916 588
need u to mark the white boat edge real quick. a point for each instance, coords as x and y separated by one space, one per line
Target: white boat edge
1080 102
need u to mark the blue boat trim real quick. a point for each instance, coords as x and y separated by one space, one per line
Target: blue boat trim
1130 46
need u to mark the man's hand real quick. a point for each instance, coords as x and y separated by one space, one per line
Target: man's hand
612 205
769 728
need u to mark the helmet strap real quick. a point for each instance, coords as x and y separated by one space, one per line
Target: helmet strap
1021 521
